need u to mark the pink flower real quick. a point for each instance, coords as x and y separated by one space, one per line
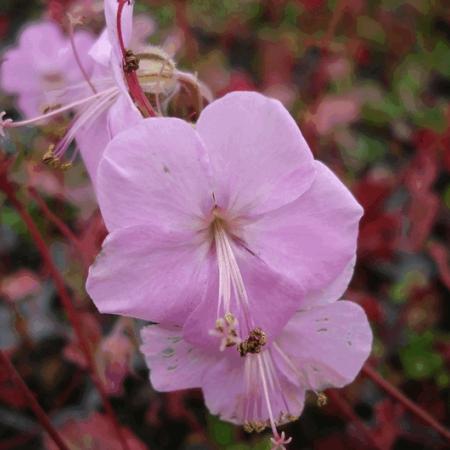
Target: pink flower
43 65
224 228
320 347
97 93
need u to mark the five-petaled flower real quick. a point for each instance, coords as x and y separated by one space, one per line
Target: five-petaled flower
231 229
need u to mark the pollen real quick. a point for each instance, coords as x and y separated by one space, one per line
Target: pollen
254 343
322 399
53 161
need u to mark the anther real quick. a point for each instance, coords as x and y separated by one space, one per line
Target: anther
131 62
254 343
322 399
226 329
53 161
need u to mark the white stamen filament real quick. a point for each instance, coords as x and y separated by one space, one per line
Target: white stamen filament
89 114
230 280
63 109
266 395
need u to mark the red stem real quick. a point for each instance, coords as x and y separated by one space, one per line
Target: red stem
63 295
131 78
62 227
336 17
33 403
371 373
345 408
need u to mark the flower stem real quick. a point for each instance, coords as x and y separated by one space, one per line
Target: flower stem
66 301
60 225
32 402
415 409
131 78
346 409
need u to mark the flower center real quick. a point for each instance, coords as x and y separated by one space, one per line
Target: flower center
234 324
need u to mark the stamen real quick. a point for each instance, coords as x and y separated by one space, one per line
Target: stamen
230 281
226 330
254 343
90 114
8 123
322 399
4 123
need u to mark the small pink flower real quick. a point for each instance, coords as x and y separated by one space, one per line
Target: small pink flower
42 65
228 223
80 76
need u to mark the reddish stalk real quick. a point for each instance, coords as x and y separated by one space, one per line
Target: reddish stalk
131 78
64 297
406 402
72 22
32 402
60 225
346 409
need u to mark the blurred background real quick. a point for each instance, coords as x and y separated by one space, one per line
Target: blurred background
368 83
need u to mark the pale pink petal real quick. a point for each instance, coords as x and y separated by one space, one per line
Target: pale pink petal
15 74
327 345
313 239
111 8
272 300
100 51
235 393
155 172
333 291
259 158
92 140
123 114
149 273
174 364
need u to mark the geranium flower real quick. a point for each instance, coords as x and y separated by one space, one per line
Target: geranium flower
42 65
226 228
102 102
99 96
320 347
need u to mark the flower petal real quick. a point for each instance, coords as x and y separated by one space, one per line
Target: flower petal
259 158
229 387
327 345
150 274
174 364
111 8
313 239
155 172
333 291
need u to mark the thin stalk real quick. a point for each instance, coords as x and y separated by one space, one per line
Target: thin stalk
32 402
63 295
131 78
345 408
412 407
62 227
